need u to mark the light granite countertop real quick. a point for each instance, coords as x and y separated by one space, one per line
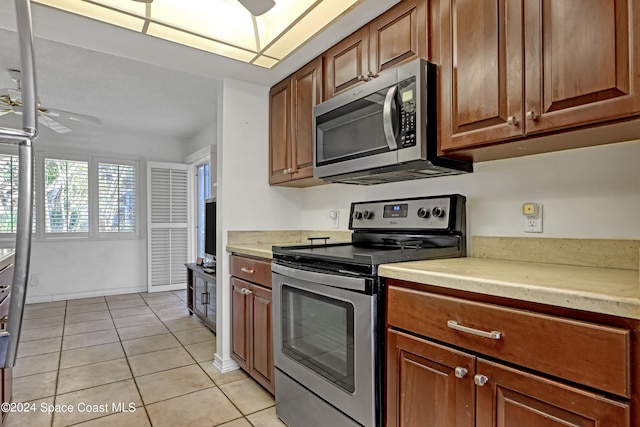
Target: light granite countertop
600 290
262 250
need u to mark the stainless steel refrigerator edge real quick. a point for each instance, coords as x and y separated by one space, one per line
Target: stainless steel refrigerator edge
9 338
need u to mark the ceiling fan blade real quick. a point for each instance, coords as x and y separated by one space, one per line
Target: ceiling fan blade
53 125
71 116
257 7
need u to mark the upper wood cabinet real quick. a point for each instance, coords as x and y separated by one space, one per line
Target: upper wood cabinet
398 35
512 69
291 105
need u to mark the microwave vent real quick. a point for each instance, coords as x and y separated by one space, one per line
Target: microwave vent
373 177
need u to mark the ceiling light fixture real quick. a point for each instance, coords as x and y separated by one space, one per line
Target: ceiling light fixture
257 7
260 32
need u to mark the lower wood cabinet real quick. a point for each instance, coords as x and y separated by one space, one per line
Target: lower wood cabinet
431 381
251 337
6 374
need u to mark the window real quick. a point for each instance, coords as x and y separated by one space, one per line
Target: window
77 196
8 193
66 196
203 193
116 198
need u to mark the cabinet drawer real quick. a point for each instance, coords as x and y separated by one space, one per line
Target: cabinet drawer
6 278
594 355
253 270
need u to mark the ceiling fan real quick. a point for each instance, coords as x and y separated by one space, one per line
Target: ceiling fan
11 102
256 7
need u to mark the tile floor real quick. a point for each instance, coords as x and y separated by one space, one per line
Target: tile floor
97 356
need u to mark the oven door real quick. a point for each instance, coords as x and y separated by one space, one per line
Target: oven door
324 338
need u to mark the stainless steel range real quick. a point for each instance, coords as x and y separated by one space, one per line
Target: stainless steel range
328 307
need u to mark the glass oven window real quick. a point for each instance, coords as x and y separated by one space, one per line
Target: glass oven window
317 332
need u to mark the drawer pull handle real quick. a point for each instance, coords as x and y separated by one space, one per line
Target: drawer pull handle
480 379
247 270
512 121
494 335
460 372
246 291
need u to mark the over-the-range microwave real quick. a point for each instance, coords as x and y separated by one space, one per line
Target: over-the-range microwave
384 130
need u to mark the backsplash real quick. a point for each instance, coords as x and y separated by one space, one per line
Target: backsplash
283 236
607 253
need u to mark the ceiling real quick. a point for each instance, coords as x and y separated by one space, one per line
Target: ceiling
138 83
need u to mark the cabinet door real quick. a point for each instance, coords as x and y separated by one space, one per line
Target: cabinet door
481 73
398 35
422 386
306 87
280 132
516 398
240 324
262 340
581 63
347 63
211 302
200 295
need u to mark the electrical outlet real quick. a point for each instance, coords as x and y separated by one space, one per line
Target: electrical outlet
335 218
532 217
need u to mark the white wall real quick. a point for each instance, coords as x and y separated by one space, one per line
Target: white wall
75 268
204 138
245 199
586 193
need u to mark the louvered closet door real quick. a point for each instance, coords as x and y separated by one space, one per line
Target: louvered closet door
167 236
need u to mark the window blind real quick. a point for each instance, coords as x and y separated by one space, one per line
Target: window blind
116 198
66 196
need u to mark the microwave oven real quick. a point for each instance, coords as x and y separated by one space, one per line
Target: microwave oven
384 130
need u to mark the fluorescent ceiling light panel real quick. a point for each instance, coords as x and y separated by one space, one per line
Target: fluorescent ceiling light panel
222 27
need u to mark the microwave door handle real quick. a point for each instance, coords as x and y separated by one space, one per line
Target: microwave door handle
387 119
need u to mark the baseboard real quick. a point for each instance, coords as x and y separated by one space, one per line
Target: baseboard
87 294
224 365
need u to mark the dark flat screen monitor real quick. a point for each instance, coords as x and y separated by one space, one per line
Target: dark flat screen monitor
210 229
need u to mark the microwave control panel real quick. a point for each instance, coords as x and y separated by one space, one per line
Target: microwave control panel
407 101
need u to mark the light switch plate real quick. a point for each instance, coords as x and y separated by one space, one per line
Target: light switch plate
334 214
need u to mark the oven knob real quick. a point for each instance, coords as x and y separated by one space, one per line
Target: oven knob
437 212
368 215
423 213
357 215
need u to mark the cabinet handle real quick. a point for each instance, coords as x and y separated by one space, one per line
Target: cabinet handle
480 379
460 372
362 78
512 121
247 270
246 291
494 335
289 171
531 115
371 75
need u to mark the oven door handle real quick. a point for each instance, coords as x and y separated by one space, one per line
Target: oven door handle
351 283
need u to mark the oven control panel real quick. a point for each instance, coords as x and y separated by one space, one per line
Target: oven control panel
404 214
